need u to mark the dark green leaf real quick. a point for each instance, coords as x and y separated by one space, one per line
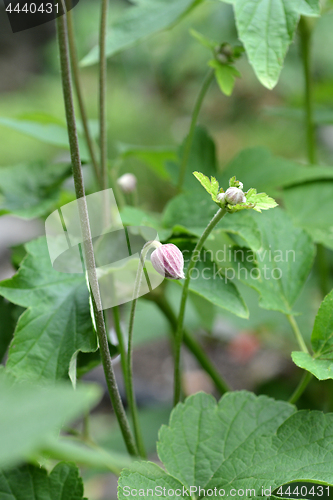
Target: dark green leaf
57 322
31 190
243 442
321 363
33 483
7 325
279 269
311 207
139 22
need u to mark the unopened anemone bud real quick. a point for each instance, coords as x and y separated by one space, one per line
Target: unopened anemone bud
221 197
234 196
127 183
168 261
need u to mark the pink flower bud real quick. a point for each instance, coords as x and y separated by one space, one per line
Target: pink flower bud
168 261
234 195
127 183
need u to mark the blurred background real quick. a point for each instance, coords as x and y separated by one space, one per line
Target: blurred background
151 91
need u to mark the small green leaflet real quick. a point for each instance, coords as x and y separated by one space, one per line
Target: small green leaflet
34 483
321 363
225 76
205 42
241 442
211 186
266 28
57 322
261 200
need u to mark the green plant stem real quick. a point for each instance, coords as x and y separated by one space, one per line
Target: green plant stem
121 345
78 91
131 396
102 93
192 345
305 38
179 333
323 269
297 333
196 110
86 236
300 388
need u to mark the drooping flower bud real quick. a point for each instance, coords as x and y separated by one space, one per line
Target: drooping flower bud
234 195
127 183
168 261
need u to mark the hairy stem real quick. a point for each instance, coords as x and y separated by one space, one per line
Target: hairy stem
121 345
78 91
192 345
300 388
297 333
102 93
86 235
196 110
179 333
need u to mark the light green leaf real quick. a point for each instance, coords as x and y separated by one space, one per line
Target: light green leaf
154 157
33 483
139 22
243 442
279 269
43 410
225 76
31 190
261 200
311 207
57 322
258 168
266 28
321 363
211 186
47 129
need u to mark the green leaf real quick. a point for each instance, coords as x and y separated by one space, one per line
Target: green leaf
47 129
33 483
211 186
209 282
31 190
258 168
202 159
225 76
266 28
139 22
205 42
57 322
321 364
243 442
44 410
7 325
311 207
261 200
154 157
132 216
280 268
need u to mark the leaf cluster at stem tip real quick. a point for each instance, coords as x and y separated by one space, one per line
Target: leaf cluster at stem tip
254 200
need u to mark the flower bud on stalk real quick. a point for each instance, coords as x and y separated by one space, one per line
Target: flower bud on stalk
168 261
127 183
234 195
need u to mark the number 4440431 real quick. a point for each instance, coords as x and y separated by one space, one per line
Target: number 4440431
31 8
303 491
